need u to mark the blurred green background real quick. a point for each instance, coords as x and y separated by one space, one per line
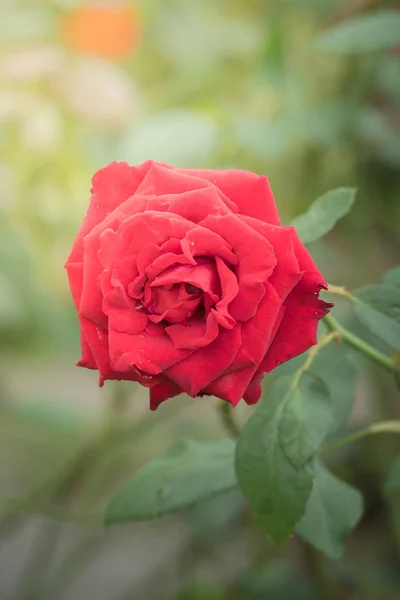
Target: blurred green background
216 83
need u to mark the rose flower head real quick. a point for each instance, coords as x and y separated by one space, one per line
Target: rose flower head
185 281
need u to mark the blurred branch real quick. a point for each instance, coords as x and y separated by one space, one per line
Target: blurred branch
229 423
382 427
313 564
355 342
338 290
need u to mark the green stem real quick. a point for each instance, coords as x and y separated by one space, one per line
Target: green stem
313 563
225 411
379 358
327 338
382 427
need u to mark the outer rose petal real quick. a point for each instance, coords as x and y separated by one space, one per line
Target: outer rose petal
250 192
193 205
97 339
257 336
254 390
232 386
111 186
257 332
195 372
162 392
287 272
163 180
151 354
75 276
298 330
87 359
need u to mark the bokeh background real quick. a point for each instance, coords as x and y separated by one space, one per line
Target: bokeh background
216 83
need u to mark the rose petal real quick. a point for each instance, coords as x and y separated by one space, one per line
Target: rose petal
229 291
256 262
232 386
200 241
87 359
194 205
154 329
151 354
257 335
254 389
196 334
123 314
250 192
256 332
196 371
287 272
175 313
202 275
164 180
92 297
75 279
103 248
163 391
111 186
253 392
97 339
298 330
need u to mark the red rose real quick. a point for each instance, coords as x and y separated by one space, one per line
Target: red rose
185 281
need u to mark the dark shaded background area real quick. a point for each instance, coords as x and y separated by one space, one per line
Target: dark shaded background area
217 83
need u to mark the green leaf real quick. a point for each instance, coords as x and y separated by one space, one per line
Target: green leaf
334 366
189 472
378 308
392 484
392 277
367 33
306 420
276 490
333 510
323 214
